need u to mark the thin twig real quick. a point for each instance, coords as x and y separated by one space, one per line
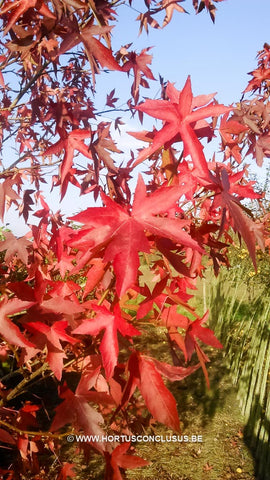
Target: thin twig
32 433
29 85
21 385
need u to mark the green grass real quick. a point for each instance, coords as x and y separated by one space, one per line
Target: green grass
240 315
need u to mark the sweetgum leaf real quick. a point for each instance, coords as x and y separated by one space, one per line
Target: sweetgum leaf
8 329
15 246
123 233
44 335
180 117
111 323
76 411
159 400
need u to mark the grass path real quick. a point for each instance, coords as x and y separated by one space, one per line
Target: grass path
215 415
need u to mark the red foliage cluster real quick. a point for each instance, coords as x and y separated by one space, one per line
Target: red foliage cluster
77 294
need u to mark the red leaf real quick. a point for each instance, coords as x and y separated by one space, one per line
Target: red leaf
20 7
94 275
120 458
159 401
196 331
25 207
62 305
170 6
8 329
145 20
67 471
69 142
111 323
2 81
111 99
7 195
133 380
174 373
15 246
44 335
208 4
138 63
123 233
250 231
96 51
180 117
75 410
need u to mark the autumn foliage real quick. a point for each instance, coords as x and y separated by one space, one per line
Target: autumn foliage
78 293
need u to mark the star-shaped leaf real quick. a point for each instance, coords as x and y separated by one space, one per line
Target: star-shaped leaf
180 115
75 410
44 335
69 142
15 246
111 323
119 458
123 233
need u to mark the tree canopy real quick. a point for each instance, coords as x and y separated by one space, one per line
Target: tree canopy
77 293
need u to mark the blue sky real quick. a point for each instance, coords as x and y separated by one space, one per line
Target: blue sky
217 56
